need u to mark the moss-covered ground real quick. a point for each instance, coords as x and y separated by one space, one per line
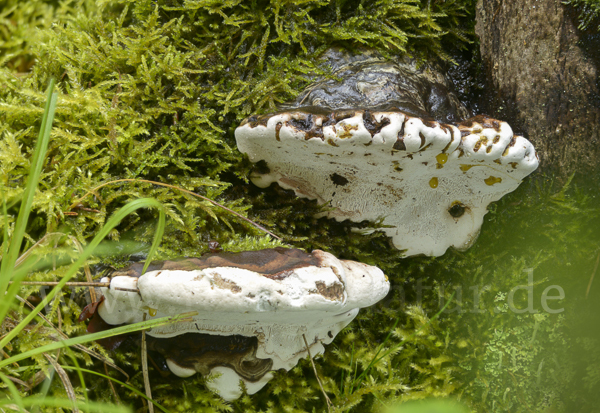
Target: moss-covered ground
152 91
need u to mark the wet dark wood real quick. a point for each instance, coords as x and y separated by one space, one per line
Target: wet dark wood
274 263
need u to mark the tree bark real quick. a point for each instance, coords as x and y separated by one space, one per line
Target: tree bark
537 65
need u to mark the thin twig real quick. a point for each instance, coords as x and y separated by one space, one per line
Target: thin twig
79 284
54 256
23 256
86 269
329 404
14 407
65 380
20 382
112 387
75 241
182 190
69 284
4 354
77 346
59 317
145 370
37 379
587 292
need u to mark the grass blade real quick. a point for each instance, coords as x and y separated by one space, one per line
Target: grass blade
119 382
37 401
112 223
67 385
17 399
9 259
130 328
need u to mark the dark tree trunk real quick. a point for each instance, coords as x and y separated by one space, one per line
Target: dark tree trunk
544 74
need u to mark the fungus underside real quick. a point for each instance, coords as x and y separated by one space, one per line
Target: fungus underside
154 91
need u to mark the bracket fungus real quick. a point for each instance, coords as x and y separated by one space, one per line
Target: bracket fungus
430 181
253 310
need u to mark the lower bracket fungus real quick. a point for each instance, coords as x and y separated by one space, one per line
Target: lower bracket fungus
429 181
253 310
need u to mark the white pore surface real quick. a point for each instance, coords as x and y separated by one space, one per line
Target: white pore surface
226 383
397 185
233 301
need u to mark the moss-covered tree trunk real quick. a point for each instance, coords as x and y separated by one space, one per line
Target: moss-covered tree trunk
540 68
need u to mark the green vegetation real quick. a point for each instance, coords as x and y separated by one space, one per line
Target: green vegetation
152 91
589 12
12 274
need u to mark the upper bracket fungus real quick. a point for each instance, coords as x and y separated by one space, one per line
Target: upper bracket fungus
430 181
253 310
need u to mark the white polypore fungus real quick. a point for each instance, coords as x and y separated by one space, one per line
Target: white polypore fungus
253 310
430 182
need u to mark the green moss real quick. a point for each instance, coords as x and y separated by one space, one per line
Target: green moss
589 13
515 354
153 91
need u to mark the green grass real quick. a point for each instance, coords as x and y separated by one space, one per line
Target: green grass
151 92
10 278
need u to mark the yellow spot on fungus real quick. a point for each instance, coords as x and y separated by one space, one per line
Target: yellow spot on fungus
442 158
152 312
345 131
492 180
433 182
465 168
